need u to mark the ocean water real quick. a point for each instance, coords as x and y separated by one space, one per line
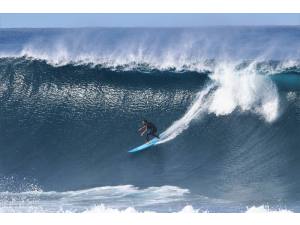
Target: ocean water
226 101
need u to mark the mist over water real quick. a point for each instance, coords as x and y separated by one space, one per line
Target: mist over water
225 101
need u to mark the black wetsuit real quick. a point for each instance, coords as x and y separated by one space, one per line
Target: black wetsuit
151 130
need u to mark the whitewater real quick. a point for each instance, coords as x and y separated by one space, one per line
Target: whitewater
231 89
225 100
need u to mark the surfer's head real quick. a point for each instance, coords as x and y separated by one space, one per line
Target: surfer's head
144 121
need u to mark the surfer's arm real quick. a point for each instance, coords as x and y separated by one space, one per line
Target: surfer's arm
143 130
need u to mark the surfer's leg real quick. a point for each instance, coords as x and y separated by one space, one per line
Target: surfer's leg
153 133
147 137
156 135
150 135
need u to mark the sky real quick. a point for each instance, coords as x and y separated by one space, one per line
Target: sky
8 20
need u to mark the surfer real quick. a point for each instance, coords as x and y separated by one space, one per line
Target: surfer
150 128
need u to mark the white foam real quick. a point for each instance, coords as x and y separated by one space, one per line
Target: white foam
104 209
243 90
231 89
60 56
132 54
107 198
110 199
291 96
197 107
186 209
266 209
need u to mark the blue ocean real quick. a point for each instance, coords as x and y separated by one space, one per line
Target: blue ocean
225 100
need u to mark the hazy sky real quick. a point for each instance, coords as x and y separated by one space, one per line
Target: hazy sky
144 20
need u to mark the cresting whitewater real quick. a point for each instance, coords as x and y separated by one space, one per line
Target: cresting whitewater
225 99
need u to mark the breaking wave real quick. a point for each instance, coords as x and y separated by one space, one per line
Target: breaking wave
225 100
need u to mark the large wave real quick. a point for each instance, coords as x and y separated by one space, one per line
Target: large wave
72 99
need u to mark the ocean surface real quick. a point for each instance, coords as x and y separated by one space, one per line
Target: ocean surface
226 101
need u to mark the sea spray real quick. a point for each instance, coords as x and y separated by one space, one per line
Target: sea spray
196 108
230 89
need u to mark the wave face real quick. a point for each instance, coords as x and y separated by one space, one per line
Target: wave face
225 99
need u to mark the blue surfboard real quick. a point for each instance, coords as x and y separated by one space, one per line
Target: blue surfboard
145 146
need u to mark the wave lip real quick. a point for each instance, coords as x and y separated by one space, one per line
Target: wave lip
201 66
163 49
